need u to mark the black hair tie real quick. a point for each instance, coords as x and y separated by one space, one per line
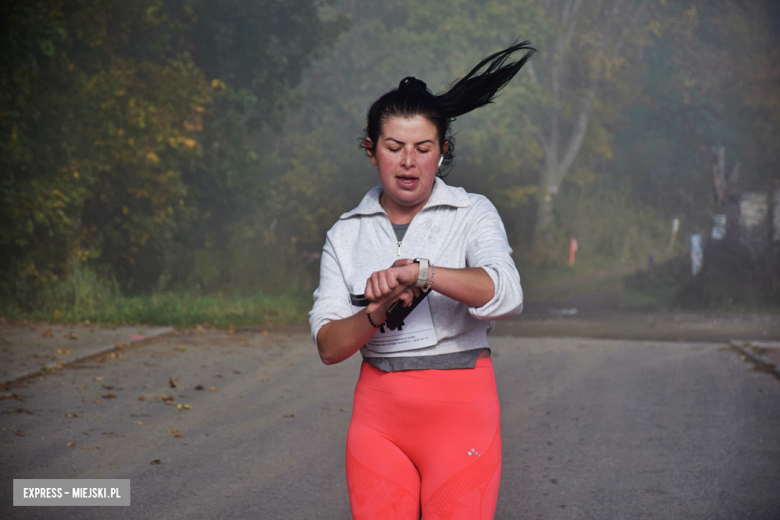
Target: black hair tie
410 82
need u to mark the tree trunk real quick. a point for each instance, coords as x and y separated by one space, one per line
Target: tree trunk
548 188
555 169
544 217
559 151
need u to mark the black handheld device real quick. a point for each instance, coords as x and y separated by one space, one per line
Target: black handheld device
396 313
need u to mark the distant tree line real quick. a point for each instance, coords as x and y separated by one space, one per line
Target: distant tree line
126 128
212 143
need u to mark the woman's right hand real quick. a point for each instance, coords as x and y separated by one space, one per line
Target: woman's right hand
384 287
339 339
378 309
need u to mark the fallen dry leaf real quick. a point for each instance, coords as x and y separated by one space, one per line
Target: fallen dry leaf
110 387
263 379
265 332
110 395
11 396
63 351
180 349
71 414
98 378
70 444
18 410
91 448
142 398
167 399
236 372
178 435
20 433
72 335
214 389
97 401
138 422
231 330
47 335
172 431
184 406
172 381
290 415
199 387
154 461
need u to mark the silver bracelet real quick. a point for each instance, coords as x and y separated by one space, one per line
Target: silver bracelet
430 282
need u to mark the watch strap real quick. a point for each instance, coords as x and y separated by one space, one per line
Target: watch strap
422 274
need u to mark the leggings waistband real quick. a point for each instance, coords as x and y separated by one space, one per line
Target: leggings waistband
467 384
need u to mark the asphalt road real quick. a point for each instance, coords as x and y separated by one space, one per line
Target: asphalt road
592 429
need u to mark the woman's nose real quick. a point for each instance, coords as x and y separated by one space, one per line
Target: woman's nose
408 159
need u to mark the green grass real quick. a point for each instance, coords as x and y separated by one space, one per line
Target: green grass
85 294
728 282
178 309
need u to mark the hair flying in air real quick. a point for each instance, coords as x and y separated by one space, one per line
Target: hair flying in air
477 89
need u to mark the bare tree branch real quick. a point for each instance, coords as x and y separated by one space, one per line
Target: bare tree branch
538 133
734 176
577 137
570 10
630 27
529 66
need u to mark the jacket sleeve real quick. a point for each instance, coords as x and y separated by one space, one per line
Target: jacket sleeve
488 248
331 298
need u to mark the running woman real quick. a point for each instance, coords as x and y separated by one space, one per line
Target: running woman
425 434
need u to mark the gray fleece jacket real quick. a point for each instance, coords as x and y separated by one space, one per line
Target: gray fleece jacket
454 229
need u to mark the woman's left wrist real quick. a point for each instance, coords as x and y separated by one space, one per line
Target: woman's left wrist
431 276
423 272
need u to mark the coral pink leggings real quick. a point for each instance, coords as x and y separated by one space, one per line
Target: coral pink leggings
425 439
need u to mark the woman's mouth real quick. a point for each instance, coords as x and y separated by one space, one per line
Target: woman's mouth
406 182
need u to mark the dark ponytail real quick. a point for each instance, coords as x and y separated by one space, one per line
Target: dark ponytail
412 98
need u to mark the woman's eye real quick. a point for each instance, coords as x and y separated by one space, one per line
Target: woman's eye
423 151
394 149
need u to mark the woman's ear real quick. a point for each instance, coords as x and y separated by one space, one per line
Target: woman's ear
445 147
369 146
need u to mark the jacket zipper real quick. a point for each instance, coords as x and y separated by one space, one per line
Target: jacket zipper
399 243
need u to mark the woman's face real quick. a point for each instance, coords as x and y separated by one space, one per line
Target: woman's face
407 157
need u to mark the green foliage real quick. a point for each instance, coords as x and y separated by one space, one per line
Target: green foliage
657 288
93 137
729 280
610 228
209 145
128 129
710 80
86 294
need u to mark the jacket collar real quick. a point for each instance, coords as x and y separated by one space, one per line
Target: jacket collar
441 195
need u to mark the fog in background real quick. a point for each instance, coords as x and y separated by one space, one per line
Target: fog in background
206 147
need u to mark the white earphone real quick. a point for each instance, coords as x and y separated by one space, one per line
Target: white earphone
441 160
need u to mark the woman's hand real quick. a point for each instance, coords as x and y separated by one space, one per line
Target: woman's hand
339 339
395 283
